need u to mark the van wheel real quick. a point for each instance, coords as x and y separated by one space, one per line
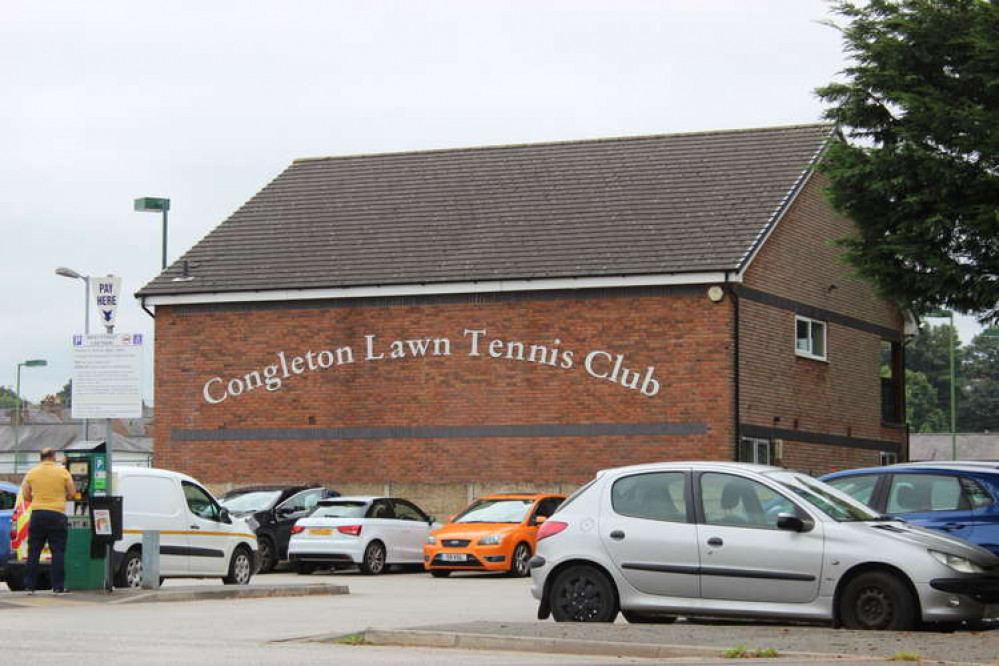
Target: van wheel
373 562
519 563
583 594
240 567
129 574
268 555
877 600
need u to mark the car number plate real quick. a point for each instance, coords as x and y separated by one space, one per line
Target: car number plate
453 557
320 531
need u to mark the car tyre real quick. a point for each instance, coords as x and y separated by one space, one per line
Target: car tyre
240 567
373 562
634 617
440 573
877 600
520 561
129 574
583 593
268 555
15 581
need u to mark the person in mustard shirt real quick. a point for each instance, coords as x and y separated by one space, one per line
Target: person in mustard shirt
47 487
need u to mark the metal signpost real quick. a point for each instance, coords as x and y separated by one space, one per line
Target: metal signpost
107 374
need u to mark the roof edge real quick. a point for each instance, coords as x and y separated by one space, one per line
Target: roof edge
475 287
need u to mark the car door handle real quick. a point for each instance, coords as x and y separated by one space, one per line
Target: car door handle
617 535
195 527
715 541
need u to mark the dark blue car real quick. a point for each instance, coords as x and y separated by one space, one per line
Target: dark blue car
8 495
959 499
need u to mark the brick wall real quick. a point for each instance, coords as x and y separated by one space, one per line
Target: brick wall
681 333
840 396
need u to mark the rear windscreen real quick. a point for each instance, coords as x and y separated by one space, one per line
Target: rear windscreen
341 510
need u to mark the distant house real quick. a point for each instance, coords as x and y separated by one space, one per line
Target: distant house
523 316
46 427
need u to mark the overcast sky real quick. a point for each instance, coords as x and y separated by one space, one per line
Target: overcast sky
205 102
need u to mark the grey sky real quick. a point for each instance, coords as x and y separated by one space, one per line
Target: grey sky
205 102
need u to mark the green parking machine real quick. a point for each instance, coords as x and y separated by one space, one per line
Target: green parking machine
94 517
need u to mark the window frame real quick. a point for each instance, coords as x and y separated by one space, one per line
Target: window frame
216 516
685 515
810 353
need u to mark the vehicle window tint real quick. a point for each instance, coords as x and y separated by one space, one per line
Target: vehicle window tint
921 493
740 502
7 499
860 488
657 496
546 507
976 494
380 509
303 501
200 502
407 511
346 509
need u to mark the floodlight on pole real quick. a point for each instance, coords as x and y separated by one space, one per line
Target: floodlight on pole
33 363
152 205
949 314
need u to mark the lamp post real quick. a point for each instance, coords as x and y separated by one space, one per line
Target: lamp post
151 205
70 273
34 363
953 382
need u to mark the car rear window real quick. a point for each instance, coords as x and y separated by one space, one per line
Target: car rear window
340 510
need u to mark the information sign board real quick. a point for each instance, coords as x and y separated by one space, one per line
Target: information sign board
107 376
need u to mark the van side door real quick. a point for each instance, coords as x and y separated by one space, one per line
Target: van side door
209 539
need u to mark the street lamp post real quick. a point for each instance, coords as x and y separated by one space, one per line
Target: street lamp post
70 273
34 363
953 382
153 204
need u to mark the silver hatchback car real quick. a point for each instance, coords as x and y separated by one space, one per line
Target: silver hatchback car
735 540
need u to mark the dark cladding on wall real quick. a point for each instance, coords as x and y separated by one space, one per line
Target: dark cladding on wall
544 387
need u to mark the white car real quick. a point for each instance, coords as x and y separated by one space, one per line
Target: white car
726 539
368 532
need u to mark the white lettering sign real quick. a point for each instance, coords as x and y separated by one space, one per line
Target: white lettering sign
603 365
106 291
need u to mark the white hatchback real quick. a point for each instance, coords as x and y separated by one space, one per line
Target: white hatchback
369 532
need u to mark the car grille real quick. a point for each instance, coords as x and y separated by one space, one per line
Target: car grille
455 543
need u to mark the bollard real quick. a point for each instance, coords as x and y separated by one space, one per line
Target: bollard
150 560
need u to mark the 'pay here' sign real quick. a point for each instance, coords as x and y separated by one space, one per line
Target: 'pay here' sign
106 291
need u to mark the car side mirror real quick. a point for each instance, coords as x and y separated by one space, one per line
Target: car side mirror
224 516
540 519
790 522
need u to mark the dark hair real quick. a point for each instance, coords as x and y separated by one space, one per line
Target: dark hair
47 454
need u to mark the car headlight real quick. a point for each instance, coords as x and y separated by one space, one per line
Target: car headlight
956 562
431 540
490 540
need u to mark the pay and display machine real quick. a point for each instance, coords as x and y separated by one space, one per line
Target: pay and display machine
94 517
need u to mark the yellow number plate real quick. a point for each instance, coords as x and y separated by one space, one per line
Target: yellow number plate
320 531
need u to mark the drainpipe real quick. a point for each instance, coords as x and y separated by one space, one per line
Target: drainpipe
736 378
142 304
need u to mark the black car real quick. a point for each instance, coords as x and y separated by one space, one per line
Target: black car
272 510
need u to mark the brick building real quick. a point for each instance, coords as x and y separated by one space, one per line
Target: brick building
450 322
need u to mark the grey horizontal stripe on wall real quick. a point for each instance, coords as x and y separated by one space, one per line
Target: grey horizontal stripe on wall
817 313
764 432
442 299
442 432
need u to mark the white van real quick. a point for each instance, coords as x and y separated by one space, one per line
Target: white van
198 538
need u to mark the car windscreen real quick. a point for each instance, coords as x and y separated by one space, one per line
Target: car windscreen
495 511
340 510
254 500
837 505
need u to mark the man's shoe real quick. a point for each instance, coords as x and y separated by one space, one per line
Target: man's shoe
61 590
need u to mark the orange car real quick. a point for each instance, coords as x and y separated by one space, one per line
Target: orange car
495 533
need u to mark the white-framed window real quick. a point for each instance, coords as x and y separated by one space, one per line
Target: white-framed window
809 338
888 458
754 450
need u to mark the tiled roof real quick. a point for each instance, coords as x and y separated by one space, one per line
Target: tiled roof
609 207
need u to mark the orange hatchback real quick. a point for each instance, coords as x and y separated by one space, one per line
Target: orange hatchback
495 533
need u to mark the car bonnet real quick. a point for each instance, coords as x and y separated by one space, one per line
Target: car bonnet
930 539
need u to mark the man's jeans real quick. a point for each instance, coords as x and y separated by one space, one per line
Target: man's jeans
51 526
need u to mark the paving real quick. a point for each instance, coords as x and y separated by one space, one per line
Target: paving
685 640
